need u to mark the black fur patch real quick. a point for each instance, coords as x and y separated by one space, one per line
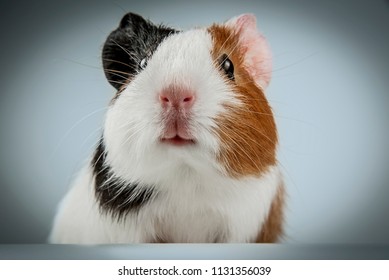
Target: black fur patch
126 46
115 196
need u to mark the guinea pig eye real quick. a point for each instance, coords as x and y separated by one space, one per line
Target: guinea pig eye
227 66
143 63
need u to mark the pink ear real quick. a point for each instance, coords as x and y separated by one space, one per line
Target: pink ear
257 56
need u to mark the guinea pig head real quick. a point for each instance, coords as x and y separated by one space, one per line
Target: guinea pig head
192 99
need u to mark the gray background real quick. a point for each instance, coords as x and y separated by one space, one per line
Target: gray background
329 93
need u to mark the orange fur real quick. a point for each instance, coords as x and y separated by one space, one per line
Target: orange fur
248 132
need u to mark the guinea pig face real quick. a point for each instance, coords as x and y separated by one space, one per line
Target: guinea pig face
189 100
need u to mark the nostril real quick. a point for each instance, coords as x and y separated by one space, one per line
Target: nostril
164 99
188 99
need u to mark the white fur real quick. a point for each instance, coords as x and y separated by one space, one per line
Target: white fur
191 209
196 200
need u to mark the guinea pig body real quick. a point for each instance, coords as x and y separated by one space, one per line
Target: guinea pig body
188 151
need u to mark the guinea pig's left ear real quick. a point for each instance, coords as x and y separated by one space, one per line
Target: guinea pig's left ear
257 56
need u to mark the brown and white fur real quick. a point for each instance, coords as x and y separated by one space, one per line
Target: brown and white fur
188 151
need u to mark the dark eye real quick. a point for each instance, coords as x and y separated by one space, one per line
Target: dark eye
227 66
143 63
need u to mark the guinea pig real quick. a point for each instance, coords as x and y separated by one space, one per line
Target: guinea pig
188 147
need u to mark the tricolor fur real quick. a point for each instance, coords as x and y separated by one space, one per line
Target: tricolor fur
188 153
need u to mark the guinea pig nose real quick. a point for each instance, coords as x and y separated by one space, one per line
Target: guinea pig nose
177 98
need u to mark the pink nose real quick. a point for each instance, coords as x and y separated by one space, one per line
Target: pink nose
177 98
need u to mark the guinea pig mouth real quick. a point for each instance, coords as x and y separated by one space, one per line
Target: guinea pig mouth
177 141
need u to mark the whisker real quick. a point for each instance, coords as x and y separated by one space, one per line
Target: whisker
134 131
240 148
253 139
296 62
117 82
131 130
118 62
228 38
119 6
117 74
81 63
215 61
263 100
72 128
290 65
131 55
275 115
99 129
